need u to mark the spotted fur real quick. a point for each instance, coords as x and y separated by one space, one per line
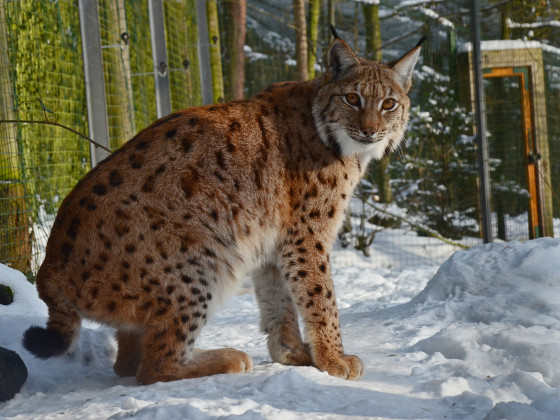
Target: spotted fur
156 236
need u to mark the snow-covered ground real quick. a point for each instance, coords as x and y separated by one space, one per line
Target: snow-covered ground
478 338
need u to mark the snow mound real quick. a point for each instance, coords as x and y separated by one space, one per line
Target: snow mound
489 323
26 300
527 273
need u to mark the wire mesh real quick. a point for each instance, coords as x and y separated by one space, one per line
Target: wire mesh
40 164
182 53
117 71
141 64
551 57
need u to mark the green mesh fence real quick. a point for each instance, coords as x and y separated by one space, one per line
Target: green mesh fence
41 80
117 71
141 65
181 33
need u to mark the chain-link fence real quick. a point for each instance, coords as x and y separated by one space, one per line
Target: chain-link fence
415 207
42 82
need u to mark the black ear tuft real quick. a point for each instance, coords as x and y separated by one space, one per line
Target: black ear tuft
333 31
422 40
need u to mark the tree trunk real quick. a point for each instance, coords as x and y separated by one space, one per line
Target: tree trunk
373 52
506 14
314 8
215 51
330 12
301 39
373 32
236 22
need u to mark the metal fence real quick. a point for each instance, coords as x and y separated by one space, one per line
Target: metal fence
433 206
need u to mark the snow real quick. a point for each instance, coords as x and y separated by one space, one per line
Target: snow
434 15
477 337
509 44
367 1
549 23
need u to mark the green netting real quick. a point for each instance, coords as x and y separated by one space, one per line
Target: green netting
181 33
40 164
117 71
141 65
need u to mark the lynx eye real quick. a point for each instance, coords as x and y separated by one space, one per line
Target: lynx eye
389 104
353 99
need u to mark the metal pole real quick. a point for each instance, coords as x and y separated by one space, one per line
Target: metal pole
204 52
482 145
159 56
98 125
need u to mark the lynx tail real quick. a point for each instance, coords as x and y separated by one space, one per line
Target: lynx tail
63 326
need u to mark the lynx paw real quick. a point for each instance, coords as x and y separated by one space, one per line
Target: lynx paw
289 350
296 356
345 366
126 368
236 361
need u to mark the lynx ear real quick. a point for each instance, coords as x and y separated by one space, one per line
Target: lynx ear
404 66
341 58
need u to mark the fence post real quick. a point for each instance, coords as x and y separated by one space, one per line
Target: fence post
159 54
482 145
98 125
204 52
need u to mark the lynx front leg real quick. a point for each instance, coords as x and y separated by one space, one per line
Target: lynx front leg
310 283
279 319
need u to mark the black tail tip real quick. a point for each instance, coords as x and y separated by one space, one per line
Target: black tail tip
44 343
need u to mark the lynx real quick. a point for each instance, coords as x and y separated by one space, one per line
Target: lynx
153 239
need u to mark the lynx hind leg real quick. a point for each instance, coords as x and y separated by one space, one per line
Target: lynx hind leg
129 353
167 355
279 319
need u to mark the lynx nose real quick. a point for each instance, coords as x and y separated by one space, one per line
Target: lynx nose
368 131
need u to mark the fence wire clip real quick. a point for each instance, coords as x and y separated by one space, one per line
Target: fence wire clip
162 69
125 37
185 68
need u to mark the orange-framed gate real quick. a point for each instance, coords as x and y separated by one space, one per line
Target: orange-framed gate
531 153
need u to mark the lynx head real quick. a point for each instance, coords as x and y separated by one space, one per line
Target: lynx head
362 108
